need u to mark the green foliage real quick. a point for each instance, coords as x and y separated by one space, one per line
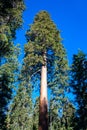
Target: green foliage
11 14
10 20
68 116
7 78
20 114
44 37
5 37
61 119
79 85
36 115
54 119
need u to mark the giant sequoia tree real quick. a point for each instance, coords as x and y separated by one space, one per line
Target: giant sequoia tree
79 85
10 20
44 53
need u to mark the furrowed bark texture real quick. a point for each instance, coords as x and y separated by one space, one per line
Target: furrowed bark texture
43 114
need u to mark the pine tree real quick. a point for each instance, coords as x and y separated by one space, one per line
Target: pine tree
79 85
10 20
44 52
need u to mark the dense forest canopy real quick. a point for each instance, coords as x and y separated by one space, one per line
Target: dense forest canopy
45 65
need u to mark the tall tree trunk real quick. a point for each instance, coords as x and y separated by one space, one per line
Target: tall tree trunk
43 114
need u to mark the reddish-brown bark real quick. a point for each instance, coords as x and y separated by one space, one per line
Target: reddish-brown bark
43 114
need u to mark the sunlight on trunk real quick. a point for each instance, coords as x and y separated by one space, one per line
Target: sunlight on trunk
43 115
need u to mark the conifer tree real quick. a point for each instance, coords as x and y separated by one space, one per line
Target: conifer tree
36 115
54 119
10 20
67 120
79 85
20 116
7 78
44 53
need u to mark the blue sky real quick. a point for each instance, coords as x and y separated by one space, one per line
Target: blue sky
70 16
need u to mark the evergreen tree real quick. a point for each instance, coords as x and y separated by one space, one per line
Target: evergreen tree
79 85
10 20
54 119
36 115
67 120
62 119
20 114
44 52
7 78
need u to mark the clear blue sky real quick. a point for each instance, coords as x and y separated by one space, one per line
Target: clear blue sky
70 16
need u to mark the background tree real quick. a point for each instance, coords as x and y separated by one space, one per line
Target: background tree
20 116
10 20
44 50
36 115
54 119
67 119
63 118
7 78
79 85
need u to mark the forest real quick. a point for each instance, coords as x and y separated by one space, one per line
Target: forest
45 70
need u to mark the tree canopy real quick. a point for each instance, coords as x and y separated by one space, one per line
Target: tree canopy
79 85
45 67
10 21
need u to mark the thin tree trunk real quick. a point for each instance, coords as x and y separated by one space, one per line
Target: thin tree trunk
43 114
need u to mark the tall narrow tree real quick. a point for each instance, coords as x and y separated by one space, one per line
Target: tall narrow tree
79 85
44 52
